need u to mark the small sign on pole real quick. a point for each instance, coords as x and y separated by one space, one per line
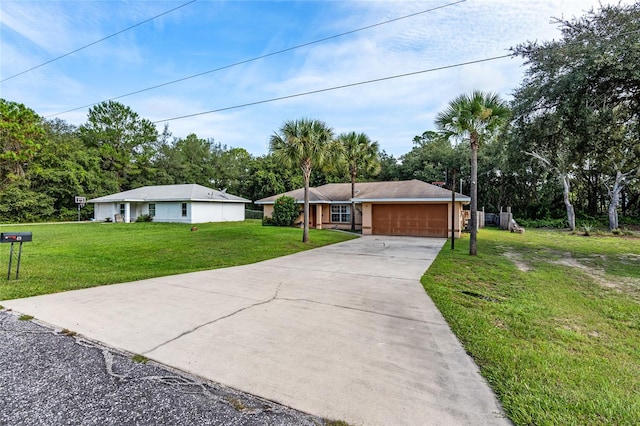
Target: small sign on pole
80 201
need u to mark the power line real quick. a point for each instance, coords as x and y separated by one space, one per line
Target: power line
336 88
98 41
260 57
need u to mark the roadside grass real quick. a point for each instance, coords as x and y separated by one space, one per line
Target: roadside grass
551 318
65 257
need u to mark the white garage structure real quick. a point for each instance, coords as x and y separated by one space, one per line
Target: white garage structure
188 203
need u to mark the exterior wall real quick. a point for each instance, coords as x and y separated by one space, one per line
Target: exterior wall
367 227
216 212
268 210
328 224
102 211
459 219
172 211
320 217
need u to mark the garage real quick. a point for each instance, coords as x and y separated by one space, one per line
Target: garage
417 220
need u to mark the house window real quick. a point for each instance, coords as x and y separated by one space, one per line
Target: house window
122 210
184 209
341 213
152 210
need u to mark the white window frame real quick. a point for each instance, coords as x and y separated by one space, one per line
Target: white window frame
152 209
341 212
184 209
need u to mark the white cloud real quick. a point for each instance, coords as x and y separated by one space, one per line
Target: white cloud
207 35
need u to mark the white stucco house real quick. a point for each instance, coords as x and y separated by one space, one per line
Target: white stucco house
188 203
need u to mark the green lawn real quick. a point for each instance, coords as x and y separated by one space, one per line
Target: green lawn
552 319
70 256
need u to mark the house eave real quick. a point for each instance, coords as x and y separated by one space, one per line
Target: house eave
164 200
410 200
302 202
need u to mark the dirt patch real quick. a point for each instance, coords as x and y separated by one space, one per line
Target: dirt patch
517 260
630 286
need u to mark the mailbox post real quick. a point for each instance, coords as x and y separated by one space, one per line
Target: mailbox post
15 237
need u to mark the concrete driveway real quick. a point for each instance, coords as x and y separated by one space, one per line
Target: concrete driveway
344 332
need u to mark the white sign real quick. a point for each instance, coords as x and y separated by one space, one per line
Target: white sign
81 200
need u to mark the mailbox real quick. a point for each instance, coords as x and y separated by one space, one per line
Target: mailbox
15 237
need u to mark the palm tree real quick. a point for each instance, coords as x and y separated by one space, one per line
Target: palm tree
357 153
476 116
303 143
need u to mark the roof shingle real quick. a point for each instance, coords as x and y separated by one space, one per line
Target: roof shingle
406 190
185 192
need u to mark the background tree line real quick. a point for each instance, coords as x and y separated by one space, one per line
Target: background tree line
572 143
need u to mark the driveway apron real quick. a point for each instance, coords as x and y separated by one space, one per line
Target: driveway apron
344 332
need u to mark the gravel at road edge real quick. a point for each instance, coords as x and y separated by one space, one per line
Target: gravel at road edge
50 376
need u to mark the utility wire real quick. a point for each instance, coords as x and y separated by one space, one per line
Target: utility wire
98 41
337 87
261 57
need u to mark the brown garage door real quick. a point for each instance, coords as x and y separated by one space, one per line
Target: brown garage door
419 220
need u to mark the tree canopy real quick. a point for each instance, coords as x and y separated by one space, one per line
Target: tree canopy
303 143
475 117
579 104
572 144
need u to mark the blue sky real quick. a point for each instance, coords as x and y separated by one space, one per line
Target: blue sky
209 34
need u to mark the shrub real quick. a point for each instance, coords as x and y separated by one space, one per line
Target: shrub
543 223
252 214
144 218
267 221
285 211
587 228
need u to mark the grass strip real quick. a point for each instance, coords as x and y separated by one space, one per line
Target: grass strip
551 318
65 257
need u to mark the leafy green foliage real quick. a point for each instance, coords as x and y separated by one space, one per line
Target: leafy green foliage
125 141
579 105
475 117
18 203
144 218
285 211
543 223
305 144
20 135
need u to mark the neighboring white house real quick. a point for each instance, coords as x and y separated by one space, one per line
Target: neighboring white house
189 203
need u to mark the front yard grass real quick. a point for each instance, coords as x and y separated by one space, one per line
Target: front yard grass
71 256
551 318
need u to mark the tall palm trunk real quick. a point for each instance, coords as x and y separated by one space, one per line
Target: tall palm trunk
306 173
353 204
473 225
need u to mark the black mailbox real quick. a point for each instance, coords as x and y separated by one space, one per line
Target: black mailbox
15 237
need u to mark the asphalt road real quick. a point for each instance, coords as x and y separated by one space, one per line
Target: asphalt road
48 377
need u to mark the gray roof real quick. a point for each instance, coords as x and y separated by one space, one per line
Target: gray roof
393 191
186 192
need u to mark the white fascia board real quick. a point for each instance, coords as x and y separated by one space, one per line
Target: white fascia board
409 200
298 202
116 200
209 200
